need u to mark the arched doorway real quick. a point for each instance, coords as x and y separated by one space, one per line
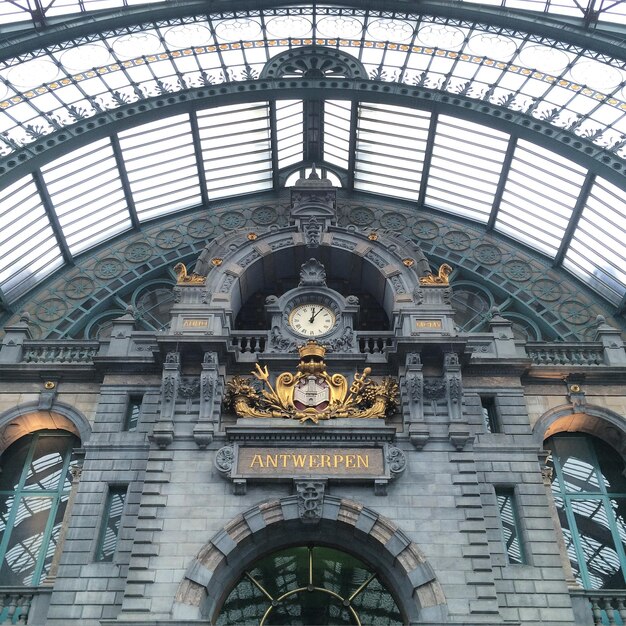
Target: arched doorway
309 585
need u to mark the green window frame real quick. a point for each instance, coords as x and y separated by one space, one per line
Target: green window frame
35 484
111 523
589 492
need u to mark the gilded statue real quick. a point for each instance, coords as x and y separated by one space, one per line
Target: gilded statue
183 278
311 393
441 279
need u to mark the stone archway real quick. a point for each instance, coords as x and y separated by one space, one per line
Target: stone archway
388 266
276 524
590 419
29 418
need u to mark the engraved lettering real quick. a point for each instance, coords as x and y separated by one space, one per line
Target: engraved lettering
271 460
257 460
362 460
195 323
428 324
298 460
338 459
350 461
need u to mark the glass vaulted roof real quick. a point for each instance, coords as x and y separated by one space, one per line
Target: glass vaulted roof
509 181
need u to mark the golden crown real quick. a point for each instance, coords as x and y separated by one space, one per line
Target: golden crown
312 348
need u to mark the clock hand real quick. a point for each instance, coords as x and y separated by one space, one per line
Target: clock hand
313 314
319 311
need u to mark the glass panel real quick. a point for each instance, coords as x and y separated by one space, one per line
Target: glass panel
597 252
539 196
86 191
29 248
26 540
160 161
336 578
246 604
470 308
133 411
13 461
602 561
337 115
310 607
154 307
510 531
44 471
112 520
289 131
465 167
576 461
236 151
375 605
390 149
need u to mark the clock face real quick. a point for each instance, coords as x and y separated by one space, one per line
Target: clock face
311 320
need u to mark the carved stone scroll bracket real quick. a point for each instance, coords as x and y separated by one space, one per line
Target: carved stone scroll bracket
396 461
310 500
225 460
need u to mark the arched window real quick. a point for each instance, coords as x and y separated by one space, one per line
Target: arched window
35 484
589 490
309 585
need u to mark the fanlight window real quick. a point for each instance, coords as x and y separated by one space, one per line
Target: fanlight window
35 484
309 585
589 490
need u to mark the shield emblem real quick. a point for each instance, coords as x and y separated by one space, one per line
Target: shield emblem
311 392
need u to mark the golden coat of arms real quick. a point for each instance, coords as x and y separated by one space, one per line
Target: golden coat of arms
311 393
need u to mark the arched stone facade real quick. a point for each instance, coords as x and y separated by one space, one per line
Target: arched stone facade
344 524
591 419
28 418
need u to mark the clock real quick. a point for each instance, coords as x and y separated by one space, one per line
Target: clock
311 319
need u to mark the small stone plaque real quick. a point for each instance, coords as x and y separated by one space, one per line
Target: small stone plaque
292 462
196 323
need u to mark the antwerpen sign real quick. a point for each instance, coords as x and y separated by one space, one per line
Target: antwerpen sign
378 463
345 462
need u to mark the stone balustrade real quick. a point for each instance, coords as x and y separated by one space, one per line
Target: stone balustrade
249 342
15 604
591 353
608 606
59 351
380 343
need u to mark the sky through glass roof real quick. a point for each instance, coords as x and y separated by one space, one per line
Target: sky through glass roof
527 192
